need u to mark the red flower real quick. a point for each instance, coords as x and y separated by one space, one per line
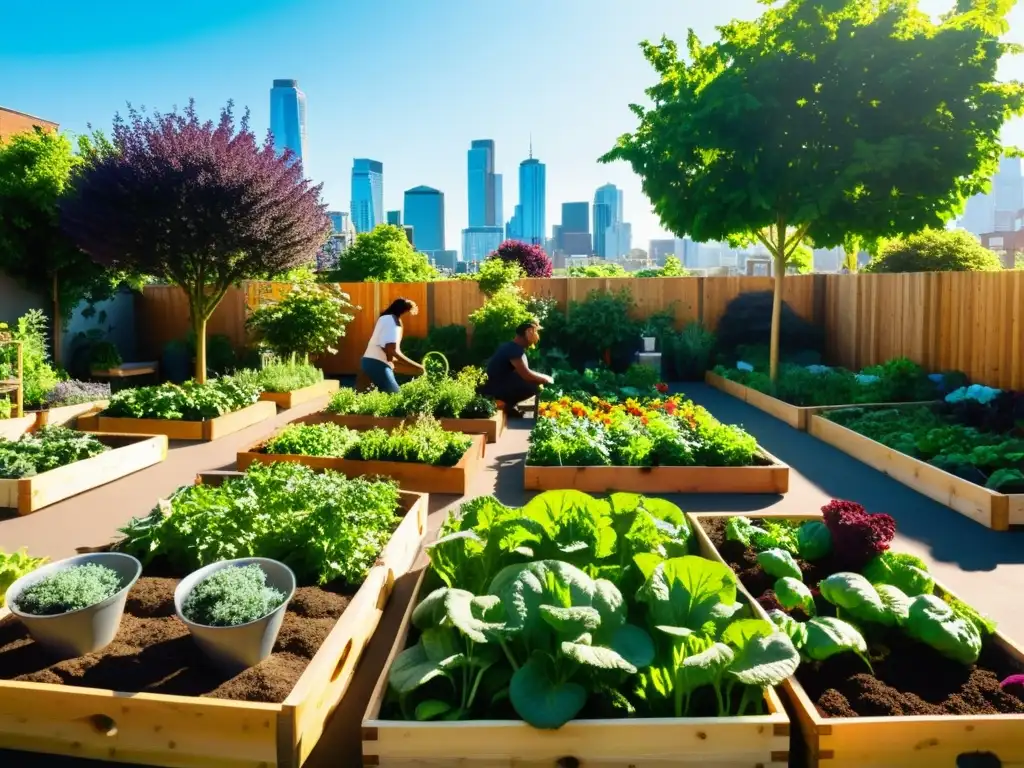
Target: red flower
661 387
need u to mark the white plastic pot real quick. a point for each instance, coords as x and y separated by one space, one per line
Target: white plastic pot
235 649
76 633
649 343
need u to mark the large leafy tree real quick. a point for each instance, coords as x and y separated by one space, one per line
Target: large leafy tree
197 203
383 254
823 119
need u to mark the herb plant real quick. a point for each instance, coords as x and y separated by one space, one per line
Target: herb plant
422 442
189 401
72 392
441 397
70 589
48 448
231 596
327 440
283 376
15 565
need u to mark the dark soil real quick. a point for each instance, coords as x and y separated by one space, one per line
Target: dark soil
909 678
154 653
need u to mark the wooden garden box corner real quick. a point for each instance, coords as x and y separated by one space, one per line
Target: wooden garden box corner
176 429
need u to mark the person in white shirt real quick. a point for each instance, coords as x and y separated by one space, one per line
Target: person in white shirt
385 346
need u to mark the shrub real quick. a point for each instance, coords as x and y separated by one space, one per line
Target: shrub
496 274
308 321
748 321
688 353
602 323
71 589
104 355
935 250
496 321
231 596
598 270
531 258
286 376
72 392
38 376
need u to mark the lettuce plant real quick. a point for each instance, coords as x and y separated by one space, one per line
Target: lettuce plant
856 535
902 570
822 637
793 593
813 540
15 565
778 563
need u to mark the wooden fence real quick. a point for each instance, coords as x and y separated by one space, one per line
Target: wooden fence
973 322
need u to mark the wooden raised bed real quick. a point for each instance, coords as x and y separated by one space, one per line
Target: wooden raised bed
770 478
491 428
994 510
127 454
297 396
185 731
176 429
63 415
796 416
410 476
725 742
12 429
887 742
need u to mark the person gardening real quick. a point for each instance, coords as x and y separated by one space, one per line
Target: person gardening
385 346
509 378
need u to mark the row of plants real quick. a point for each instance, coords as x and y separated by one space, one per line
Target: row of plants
421 442
638 381
976 433
48 448
572 606
190 401
443 397
875 634
653 432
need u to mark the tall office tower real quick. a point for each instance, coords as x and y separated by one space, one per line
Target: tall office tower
367 194
529 216
997 210
288 117
484 185
480 242
395 217
618 240
607 211
499 201
424 212
573 237
339 221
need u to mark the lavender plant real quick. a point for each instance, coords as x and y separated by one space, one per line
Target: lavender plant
72 392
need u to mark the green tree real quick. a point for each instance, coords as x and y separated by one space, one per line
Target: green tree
383 255
308 321
935 250
820 119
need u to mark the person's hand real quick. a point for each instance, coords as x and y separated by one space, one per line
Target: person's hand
547 379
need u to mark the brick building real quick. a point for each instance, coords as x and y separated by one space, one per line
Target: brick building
12 122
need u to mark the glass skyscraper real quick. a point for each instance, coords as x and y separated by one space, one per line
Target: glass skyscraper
367 194
288 117
395 217
483 193
607 213
529 216
424 212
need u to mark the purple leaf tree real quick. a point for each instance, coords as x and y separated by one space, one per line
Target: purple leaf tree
531 258
199 204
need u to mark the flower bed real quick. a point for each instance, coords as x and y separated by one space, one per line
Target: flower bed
420 456
513 652
656 445
965 453
897 671
347 542
56 463
639 381
190 411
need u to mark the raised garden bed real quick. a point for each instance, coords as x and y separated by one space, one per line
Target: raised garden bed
846 715
178 429
409 475
127 454
305 394
177 710
64 415
992 509
12 429
491 427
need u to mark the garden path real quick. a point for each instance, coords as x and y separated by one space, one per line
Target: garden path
985 568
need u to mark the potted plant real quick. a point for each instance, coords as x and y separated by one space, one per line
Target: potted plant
74 606
234 609
648 336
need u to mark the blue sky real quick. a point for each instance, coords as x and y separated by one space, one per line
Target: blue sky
407 82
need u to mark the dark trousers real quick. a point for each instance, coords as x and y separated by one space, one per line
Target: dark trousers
510 391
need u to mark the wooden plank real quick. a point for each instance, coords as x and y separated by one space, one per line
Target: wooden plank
63 415
886 742
490 428
128 454
12 429
296 397
409 476
732 742
199 732
989 508
176 429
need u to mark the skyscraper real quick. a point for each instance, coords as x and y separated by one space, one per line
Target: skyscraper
573 237
483 194
367 194
607 212
288 117
480 242
499 201
339 221
424 212
395 217
529 221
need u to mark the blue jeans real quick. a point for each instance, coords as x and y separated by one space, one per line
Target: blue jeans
381 374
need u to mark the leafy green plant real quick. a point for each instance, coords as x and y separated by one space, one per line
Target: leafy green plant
495 322
934 250
285 376
445 398
231 596
15 565
601 323
309 320
38 376
104 355
422 442
498 274
69 589
324 526
313 440
189 401
48 448
813 540
6 408
688 353
778 563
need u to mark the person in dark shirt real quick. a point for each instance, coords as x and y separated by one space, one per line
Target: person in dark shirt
509 378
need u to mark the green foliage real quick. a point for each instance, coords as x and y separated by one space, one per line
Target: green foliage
496 321
48 448
793 593
188 402
422 442
447 398
280 376
688 354
639 381
15 565
383 255
69 589
323 525
601 322
813 540
451 341
308 321
898 569
935 250
778 563
6 408
231 596
598 270
770 534
934 622
673 268
104 355
38 376
329 440
498 274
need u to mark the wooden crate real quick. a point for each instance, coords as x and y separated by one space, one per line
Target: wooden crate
727 742
198 732
175 429
772 478
63 415
994 510
491 428
127 454
887 742
12 429
798 417
410 476
297 396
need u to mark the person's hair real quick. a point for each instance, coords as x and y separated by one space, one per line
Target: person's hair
399 307
523 327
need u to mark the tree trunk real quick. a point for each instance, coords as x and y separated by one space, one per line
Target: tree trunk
773 355
199 327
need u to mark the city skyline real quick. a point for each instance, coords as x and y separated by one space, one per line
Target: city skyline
367 197
288 117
